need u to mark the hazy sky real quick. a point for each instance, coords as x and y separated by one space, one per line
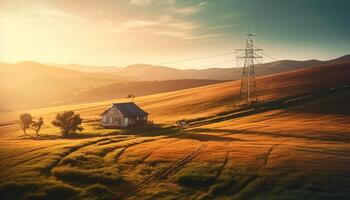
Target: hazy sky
123 32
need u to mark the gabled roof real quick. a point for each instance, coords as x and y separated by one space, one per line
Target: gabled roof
129 109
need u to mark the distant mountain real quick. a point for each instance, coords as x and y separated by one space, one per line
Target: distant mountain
342 59
83 68
31 84
121 90
27 85
150 72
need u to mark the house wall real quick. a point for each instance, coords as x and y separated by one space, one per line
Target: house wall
137 120
113 118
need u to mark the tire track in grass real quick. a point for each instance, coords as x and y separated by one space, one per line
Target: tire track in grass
103 148
221 169
250 179
222 166
117 152
135 164
148 155
29 151
28 159
268 154
163 174
47 171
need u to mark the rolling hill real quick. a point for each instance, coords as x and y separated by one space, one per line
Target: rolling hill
31 84
139 88
150 72
28 85
208 100
293 145
82 68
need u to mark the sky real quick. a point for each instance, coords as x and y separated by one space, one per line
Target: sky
125 32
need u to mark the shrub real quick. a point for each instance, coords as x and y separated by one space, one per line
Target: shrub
102 175
11 190
195 180
36 125
98 191
59 192
25 120
68 122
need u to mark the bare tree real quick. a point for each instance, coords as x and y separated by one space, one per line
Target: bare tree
36 125
68 122
131 96
25 121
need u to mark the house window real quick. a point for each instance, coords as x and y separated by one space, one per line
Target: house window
104 119
137 118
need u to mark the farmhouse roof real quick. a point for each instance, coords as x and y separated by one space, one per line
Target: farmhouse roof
129 109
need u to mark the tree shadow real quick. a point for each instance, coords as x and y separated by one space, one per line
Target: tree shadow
70 136
174 132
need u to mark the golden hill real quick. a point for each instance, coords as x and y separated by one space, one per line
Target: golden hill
28 85
207 100
294 145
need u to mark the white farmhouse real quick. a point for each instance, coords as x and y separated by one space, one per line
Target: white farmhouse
123 115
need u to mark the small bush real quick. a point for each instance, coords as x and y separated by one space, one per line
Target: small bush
102 175
97 191
195 181
84 162
197 175
36 190
35 196
12 190
59 192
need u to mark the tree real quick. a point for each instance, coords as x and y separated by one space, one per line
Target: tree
68 122
36 125
25 121
131 96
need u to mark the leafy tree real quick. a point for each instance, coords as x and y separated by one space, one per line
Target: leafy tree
68 122
25 121
36 125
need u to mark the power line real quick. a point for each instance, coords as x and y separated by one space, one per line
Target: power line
195 58
213 64
227 61
274 59
269 57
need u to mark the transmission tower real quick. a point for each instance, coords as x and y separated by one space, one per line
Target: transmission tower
250 54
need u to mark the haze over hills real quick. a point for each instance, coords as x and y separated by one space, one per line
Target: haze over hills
298 142
151 72
139 88
30 84
146 72
83 68
218 97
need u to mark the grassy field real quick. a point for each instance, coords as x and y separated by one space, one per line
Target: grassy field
295 145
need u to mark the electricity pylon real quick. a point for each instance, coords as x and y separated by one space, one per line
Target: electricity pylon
247 94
